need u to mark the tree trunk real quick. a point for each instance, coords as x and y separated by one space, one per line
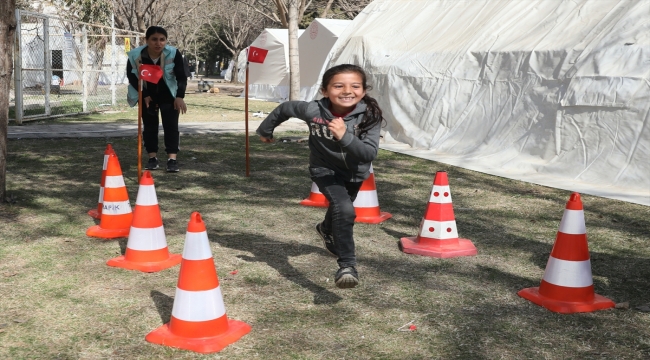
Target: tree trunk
98 61
234 77
7 29
209 63
294 59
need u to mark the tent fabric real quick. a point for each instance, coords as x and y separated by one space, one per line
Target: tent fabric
314 46
269 80
554 92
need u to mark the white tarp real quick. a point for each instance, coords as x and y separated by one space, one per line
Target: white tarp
554 92
314 46
269 80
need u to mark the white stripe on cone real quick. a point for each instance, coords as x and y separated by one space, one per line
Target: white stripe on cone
114 182
573 222
438 229
573 274
315 189
146 239
116 207
366 199
101 187
146 196
197 246
440 198
198 305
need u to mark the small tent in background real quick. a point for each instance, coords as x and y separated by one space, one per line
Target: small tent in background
270 80
314 45
550 92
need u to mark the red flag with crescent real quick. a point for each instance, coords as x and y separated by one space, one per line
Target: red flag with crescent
257 55
150 73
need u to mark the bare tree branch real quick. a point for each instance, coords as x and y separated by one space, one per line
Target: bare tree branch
323 14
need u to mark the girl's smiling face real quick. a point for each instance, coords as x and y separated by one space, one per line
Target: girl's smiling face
345 90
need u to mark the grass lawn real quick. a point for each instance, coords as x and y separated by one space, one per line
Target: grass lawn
201 107
59 300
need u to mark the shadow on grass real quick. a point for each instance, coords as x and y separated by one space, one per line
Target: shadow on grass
276 255
123 242
491 310
582 331
621 269
463 302
164 305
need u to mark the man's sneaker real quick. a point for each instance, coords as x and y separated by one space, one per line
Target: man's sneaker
328 240
347 278
152 164
172 165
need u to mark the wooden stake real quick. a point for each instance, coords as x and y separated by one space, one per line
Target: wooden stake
139 130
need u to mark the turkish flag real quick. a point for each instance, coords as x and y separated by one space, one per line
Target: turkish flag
256 54
150 73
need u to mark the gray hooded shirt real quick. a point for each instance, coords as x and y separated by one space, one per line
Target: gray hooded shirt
349 157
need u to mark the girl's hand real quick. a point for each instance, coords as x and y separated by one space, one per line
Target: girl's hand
337 128
266 140
147 100
179 105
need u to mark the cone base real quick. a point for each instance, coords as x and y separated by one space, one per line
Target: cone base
94 214
163 336
565 307
149 267
464 247
383 216
98 232
308 202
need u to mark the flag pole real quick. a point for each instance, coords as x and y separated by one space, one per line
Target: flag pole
139 128
246 119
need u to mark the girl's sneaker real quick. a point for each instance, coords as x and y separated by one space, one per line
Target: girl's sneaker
172 165
152 164
328 240
347 278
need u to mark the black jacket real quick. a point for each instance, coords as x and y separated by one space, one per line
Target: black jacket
350 157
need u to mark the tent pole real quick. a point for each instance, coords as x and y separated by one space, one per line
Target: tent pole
246 120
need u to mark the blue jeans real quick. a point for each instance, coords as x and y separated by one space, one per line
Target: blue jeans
340 215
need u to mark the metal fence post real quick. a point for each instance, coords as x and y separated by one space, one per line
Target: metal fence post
84 71
18 73
47 68
48 47
113 64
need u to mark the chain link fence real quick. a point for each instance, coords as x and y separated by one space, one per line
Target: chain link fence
65 67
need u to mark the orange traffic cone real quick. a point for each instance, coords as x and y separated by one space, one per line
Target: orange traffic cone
198 321
438 235
316 198
97 213
567 286
146 249
116 211
366 205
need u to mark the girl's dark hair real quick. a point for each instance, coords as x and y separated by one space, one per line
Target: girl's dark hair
373 115
155 30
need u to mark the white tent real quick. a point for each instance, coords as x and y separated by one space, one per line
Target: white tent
314 46
553 92
270 80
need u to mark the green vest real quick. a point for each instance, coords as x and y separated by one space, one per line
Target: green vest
167 62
